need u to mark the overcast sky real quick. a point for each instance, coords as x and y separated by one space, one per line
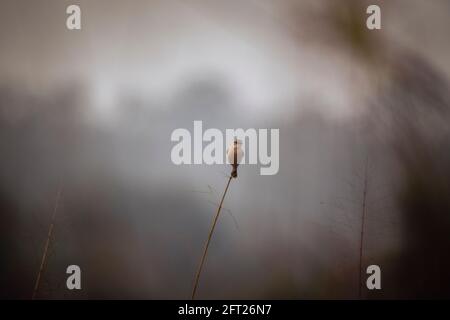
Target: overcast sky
263 53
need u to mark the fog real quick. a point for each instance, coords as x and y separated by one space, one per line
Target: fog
363 118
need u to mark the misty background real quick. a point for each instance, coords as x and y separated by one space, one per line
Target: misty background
363 118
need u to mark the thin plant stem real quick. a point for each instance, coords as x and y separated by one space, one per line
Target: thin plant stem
361 241
47 244
211 231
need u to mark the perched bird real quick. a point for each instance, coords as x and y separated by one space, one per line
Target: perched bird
235 155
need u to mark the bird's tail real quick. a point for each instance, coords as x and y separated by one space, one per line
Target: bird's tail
234 172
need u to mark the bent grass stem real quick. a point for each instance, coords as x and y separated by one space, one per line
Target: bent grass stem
211 231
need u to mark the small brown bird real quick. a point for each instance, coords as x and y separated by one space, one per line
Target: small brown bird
235 155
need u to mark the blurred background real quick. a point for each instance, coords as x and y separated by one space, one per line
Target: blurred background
364 128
